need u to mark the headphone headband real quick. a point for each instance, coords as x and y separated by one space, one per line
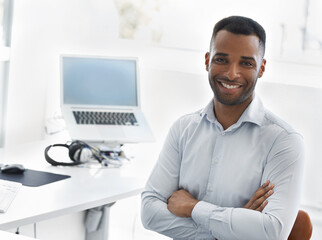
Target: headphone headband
75 149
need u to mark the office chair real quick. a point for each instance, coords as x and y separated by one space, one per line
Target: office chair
302 228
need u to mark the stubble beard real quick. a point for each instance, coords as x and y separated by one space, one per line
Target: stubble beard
229 100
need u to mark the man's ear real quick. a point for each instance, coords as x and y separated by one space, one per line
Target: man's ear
207 56
262 68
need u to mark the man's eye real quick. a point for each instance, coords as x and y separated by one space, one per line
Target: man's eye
248 64
219 60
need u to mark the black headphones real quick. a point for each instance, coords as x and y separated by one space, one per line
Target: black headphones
78 152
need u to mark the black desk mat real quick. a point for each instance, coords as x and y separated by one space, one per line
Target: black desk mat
32 178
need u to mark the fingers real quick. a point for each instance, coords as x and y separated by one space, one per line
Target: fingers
258 200
263 201
263 189
265 184
266 187
262 206
260 203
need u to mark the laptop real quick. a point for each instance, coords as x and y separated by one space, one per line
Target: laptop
100 100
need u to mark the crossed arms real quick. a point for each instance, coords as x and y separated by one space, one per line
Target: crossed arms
175 211
180 225
181 202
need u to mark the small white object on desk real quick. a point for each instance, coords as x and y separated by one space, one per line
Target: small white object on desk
8 192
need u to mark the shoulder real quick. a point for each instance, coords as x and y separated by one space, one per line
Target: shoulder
186 124
189 120
272 121
282 132
182 126
283 144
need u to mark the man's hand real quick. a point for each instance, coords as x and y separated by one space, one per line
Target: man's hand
258 201
181 203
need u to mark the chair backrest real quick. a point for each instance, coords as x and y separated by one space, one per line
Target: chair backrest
302 228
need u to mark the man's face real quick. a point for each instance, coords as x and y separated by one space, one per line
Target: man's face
234 64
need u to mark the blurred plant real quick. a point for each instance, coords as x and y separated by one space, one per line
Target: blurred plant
140 15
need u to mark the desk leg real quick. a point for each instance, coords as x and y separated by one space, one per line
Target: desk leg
97 222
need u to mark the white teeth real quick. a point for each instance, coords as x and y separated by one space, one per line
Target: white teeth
229 86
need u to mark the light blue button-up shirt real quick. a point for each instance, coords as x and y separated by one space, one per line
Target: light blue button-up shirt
223 169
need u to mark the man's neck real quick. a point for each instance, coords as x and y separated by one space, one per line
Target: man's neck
228 115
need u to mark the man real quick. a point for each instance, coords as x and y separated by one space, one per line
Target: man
214 160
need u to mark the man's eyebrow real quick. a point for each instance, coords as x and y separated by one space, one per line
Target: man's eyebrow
248 58
221 54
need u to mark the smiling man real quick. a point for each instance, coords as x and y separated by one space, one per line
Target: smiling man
216 172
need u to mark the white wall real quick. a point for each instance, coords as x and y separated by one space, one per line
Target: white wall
173 82
43 29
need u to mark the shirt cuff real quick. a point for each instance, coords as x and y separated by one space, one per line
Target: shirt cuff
201 213
204 211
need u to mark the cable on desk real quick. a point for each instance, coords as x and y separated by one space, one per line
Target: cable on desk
17 231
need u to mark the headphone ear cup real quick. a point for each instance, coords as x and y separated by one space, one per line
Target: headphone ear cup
85 154
75 149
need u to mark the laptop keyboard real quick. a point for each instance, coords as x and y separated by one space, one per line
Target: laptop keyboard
105 118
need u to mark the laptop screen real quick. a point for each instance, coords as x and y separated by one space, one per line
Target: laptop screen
99 81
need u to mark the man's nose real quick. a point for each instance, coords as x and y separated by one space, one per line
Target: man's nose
233 72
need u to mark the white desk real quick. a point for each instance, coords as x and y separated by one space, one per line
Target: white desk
87 188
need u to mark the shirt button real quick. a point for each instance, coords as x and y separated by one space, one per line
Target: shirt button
216 160
210 189
223 134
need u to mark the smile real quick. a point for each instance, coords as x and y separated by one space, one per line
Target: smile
229 86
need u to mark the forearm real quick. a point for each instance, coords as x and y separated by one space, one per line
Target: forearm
236 223
156 216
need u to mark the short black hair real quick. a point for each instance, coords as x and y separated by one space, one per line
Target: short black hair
240 25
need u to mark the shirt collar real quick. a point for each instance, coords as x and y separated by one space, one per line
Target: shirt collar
208 111
254 113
